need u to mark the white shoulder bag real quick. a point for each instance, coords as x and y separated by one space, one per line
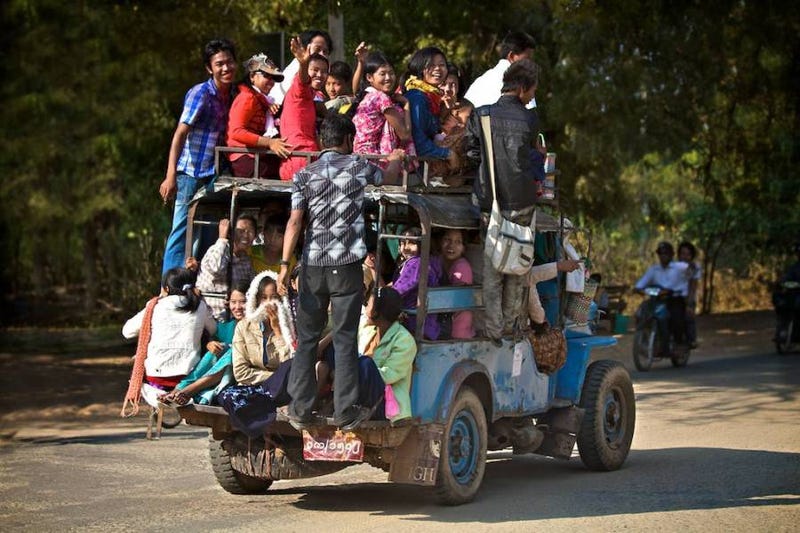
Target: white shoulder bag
509 245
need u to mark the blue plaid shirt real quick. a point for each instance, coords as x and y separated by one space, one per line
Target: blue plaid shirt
331 192
207 114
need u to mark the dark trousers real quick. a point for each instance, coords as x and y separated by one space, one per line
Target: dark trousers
677 318
341 287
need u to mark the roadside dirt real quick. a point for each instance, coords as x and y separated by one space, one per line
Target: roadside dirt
69 379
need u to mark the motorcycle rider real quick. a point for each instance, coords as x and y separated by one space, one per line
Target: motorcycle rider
787 301
670 276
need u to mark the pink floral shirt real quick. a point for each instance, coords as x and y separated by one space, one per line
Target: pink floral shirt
374 134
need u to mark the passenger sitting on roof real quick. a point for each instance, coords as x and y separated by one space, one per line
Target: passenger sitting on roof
213 275
214 372
406 281
251 123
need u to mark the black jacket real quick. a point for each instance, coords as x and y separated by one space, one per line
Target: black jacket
514 130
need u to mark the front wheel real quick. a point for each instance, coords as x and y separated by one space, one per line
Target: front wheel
680 356
644 347
463 456
229 479
606 432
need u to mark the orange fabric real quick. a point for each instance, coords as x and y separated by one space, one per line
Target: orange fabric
133 395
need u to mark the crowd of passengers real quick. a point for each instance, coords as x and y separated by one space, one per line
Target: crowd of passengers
318 329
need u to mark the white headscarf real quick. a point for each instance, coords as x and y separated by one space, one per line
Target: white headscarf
259 314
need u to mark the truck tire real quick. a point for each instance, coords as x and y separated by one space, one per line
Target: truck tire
462 462
228 478
606 432
645 344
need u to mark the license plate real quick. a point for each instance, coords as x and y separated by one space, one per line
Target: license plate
332 446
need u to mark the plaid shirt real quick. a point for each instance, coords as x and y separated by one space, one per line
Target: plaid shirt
213 275
207 114
331 192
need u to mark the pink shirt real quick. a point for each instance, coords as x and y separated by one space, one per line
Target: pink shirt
460 273
298 125
374 134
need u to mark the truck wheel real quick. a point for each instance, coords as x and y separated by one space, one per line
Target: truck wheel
605 435
644 348
463 455
228 478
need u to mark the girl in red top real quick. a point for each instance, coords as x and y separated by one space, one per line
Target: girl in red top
299 116
251 123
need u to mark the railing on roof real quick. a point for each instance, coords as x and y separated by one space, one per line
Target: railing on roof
426 181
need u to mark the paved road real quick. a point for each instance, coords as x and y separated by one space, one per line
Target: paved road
717 448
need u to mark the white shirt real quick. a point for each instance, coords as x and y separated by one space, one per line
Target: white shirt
673 277
279 90
174 347
488 87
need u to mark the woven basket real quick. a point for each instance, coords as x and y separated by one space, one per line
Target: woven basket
578 304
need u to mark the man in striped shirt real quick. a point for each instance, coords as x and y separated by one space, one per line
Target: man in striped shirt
330 192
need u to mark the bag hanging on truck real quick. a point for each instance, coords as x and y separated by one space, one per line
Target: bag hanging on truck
508 245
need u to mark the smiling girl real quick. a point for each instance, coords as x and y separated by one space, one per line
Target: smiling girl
383 117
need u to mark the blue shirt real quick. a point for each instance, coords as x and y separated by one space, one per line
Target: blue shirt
207 113
424 126
331 192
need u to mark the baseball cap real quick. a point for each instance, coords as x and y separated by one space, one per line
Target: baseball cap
261 62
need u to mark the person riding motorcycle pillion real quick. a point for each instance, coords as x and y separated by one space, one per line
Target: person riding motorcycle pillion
670 276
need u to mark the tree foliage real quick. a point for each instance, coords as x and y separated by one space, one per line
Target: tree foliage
669 118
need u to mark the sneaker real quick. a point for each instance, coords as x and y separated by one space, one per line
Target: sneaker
360 415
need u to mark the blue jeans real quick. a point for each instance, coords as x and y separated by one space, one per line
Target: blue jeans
175 251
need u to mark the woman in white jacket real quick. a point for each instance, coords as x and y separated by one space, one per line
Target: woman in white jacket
170 328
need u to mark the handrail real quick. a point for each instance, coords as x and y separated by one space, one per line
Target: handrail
258 152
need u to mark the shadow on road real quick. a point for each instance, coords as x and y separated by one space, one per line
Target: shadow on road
532 488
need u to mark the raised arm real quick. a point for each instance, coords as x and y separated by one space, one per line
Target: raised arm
301 53
361 53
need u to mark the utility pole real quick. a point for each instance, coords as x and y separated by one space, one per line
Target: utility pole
336 29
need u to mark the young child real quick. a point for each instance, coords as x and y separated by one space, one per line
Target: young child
169 329
406 281
214 372
383 117
299 116
459 272
338 88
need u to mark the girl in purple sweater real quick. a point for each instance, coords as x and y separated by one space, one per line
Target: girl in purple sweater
406 281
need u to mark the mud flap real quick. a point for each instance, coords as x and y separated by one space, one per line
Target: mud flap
416 460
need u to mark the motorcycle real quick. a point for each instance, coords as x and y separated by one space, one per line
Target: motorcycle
786 300
653 338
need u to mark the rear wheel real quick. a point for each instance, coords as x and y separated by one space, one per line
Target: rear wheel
644 347
463 455
606 432
229 479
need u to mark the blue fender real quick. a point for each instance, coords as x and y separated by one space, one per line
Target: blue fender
478 378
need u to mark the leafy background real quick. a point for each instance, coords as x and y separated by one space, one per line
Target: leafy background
671 120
